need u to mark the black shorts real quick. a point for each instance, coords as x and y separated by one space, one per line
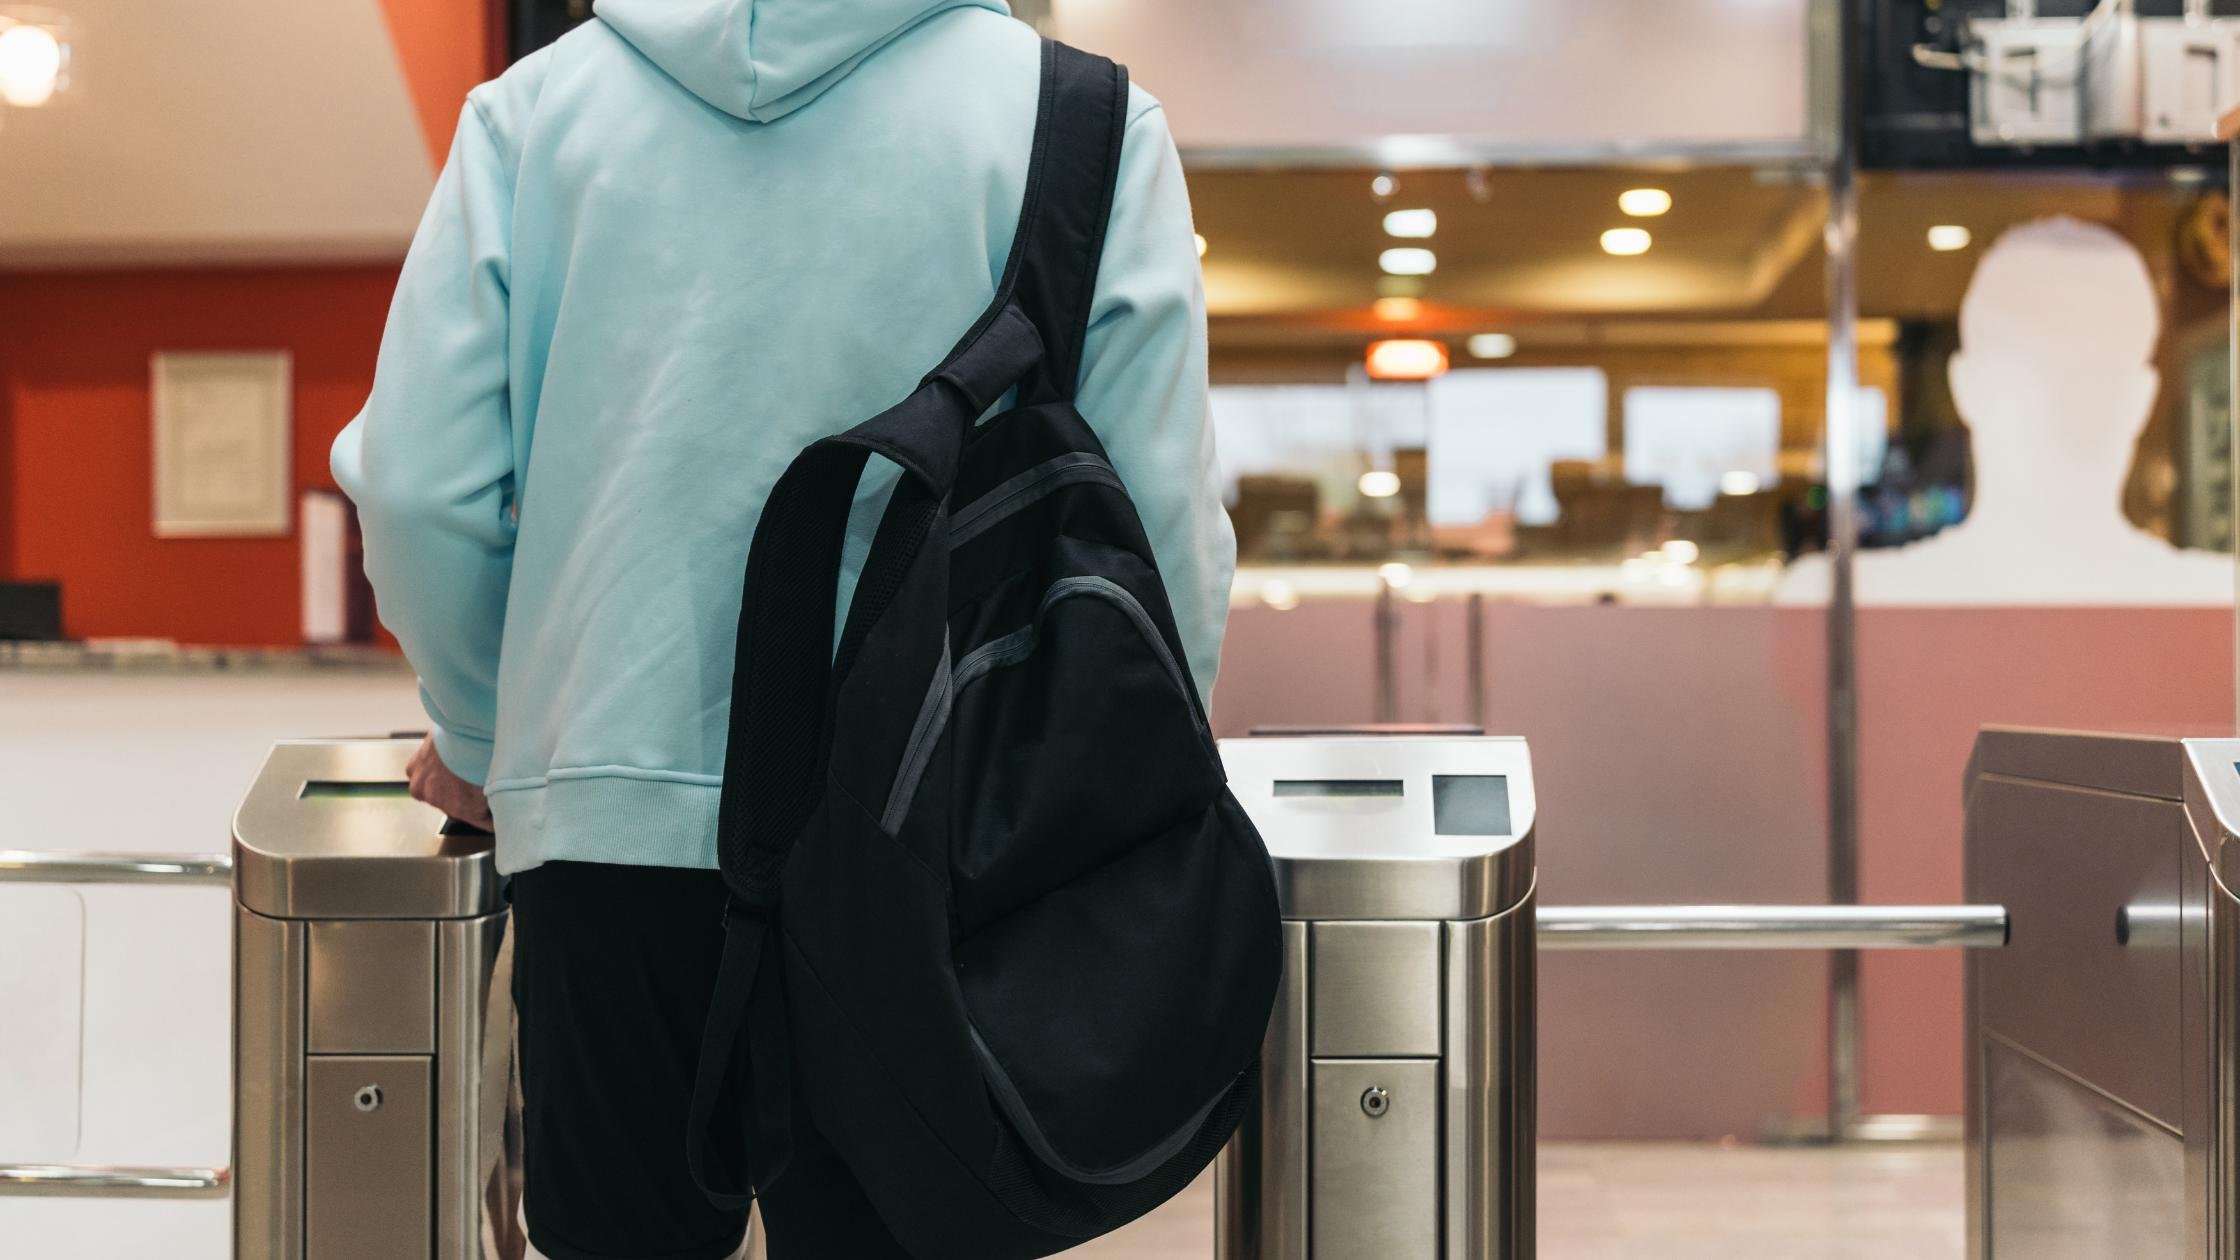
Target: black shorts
613 966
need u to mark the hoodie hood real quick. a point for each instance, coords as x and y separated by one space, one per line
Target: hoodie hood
763 59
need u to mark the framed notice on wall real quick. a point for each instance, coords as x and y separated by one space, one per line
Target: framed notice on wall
222 425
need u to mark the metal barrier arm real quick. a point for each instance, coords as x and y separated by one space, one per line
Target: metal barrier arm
1772 927
104 1180
19 866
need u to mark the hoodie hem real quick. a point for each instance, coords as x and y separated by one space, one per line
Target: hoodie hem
607 815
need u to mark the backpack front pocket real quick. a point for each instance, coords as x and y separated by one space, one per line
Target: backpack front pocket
1085 741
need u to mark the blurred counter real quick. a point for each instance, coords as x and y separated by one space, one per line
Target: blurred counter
162 656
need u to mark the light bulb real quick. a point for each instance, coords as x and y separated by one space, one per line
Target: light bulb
1411 224
1408 261
1947 237
1625 241
1644 203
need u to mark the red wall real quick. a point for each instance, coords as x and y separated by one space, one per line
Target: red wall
76 495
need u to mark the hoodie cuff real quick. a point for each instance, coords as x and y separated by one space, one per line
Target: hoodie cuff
463 755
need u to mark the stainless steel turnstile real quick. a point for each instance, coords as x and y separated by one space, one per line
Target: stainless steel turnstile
369 1055
1397 1090
2101 1042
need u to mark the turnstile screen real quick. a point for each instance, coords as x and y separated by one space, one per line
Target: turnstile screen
338 790
1470 804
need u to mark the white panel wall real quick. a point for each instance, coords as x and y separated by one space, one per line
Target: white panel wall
1432 80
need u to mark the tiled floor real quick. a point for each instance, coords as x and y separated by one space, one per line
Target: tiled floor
1681 1201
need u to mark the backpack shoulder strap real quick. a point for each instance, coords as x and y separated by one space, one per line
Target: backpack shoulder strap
784 672
1052 274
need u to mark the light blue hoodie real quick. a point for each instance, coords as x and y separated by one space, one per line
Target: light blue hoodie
666 254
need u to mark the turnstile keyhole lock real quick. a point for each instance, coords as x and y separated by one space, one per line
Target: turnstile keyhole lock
369 1098
1375 1102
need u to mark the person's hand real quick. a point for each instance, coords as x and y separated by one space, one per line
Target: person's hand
432 783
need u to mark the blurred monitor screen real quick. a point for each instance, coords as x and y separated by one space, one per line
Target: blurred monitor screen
1494 432
1693 439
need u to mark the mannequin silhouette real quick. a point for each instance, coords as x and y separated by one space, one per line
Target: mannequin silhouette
2054 376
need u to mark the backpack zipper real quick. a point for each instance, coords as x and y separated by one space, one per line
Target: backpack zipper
1016 494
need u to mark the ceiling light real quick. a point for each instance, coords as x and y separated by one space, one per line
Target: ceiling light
1396 574
1625 241
1279 595
1492 346
1199 237
1946 237
1406 360
1379 483
1408 261
1398 310
1383 186
1680 551
1738 481
1644 203
1414 225
31 61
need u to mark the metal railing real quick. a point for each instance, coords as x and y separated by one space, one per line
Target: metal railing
1772 927
19 866
110 1180
1837 927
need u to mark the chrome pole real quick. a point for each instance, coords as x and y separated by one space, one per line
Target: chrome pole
1385 630
1841 458
18 866
104 1181
1772 927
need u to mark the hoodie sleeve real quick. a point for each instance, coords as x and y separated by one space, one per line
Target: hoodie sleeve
1143 385
429 461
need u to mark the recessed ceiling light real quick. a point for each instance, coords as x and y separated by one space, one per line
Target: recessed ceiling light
1199 237
1625 241
1644 203
1408 261
31 63
1383 186
1492 346
1406 360
1379 483
1411 224
1397 310
1738 481
1946 237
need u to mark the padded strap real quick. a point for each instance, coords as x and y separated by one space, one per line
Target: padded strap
1069 201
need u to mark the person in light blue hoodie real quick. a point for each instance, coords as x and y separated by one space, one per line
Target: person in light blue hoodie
667 253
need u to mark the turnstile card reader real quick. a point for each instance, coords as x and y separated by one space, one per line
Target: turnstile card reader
369 1058
1396 1118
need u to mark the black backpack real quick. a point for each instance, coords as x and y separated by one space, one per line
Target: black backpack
995 919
